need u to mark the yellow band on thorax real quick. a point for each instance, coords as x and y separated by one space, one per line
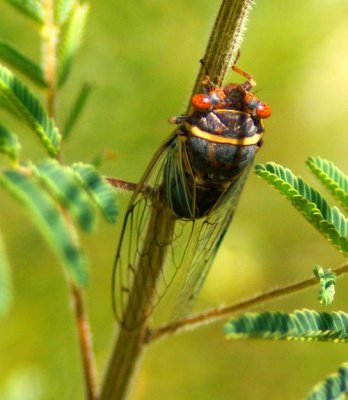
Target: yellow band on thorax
247 141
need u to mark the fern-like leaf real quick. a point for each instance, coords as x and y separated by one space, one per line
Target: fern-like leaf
30 8
9 144
70 40
76 110
327 280
335 387
305 325
5 287
62 184
50 220
18 97
22 64
63 9
101 192
327 220
332 177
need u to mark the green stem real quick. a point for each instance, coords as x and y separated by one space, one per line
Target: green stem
129 344
50 34
216 314
224 42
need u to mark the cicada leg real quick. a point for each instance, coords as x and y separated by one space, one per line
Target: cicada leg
177 119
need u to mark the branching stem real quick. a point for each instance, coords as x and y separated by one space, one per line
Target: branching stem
216 314
50 34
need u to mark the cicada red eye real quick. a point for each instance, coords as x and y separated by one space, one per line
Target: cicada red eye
263 110
201 102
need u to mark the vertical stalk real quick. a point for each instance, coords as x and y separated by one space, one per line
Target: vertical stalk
50 35
224 44
130 343
50 40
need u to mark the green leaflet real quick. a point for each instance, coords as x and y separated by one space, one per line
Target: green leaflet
50 220
5 287
327 220
100 191
9 144
62 184
332 178
327 280
62 10
22 64
19 98
333 387
30 8
305 325
77 109
70 40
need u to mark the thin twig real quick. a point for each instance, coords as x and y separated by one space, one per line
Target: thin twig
216 314
49 40
85 342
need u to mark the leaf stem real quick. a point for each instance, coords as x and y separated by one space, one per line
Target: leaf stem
50 33
50 39
85 342
216 314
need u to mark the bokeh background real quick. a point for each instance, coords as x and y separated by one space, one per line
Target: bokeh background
142 57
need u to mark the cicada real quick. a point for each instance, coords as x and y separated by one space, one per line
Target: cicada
185 201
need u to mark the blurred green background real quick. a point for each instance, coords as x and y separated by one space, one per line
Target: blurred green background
142 57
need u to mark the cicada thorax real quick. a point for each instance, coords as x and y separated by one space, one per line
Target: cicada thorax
219 145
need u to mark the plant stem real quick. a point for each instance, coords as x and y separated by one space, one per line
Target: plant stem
50 34
216 314
129 344
85 342
224 42
50 40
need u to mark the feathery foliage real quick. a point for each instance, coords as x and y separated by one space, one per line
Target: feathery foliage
333 388
21 63
331 177
305 325
5 287
62 10
70 40
50 220
30 8
327 220
61 183
9 144
100 191
76 109
327 280
25 104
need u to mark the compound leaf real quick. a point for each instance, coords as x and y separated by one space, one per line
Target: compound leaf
22 64
305 325
18 97
327 280
9 144
30 8
63 9
62 184
49 217
70 40
76 109
332 178
100 191
327 220
335 387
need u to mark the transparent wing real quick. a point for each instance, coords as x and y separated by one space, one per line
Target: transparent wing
149 235
208 236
